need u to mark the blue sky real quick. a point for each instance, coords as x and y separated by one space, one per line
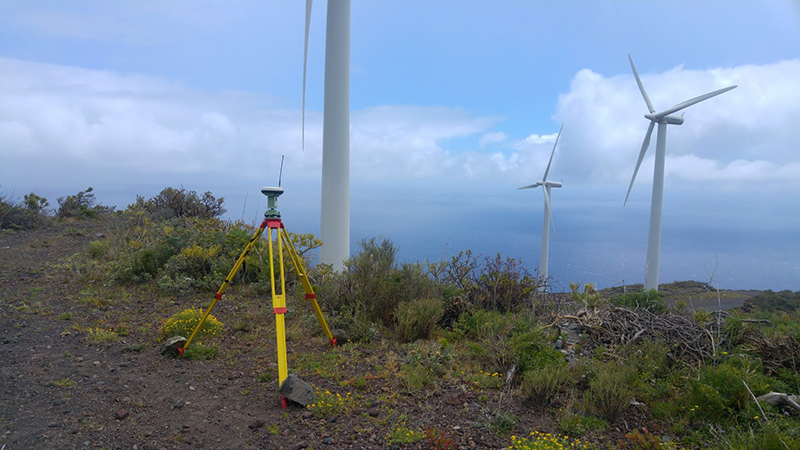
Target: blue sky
454 105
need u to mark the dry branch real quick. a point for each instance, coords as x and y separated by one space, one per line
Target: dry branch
616 327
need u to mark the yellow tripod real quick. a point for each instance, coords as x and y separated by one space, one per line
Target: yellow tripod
272 221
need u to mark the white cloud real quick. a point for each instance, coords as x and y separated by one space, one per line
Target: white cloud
492 138
746 134
136 126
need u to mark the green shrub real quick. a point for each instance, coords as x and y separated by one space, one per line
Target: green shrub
414 376
437 357
574 424
372 284
589 298
504 284
542 385
201 352
98 250
770 301
22 216
174 203
651 300
502 342
416 319
502 422
81 204
718 394
611 389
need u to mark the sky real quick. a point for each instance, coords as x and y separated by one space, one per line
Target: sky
454 105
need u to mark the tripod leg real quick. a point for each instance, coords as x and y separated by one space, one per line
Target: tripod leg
227 281
279 307
310 295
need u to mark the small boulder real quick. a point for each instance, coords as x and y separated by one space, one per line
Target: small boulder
340 335
172 345
297 390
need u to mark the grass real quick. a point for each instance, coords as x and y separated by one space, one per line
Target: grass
64 382
101 336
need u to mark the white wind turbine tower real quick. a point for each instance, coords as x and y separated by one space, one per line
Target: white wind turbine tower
548 216
335 209
663 119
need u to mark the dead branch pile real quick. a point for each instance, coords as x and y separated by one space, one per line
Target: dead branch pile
775 352
616 328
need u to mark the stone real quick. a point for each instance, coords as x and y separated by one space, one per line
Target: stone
327 441
256 424
453 401
297 390
172 345
121 414
340 335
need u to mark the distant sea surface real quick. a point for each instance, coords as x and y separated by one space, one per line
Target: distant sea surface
612 255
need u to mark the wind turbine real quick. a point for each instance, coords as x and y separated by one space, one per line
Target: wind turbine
663 119
548 216
335 209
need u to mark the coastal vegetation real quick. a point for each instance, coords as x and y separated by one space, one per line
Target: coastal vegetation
586 369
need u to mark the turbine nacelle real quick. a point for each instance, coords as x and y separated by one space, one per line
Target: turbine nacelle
671 120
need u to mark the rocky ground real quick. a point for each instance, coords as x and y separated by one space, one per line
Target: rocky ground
61 389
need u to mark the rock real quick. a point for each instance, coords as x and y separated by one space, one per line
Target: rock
374 412
327 441
453 401
178 404
172 345
340 335
256 424
297 390
121 414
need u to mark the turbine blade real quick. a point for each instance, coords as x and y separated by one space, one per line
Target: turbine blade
552 153
645 144
691 102
549 211
305 66
641 86
537 184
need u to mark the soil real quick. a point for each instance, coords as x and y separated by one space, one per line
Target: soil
61 389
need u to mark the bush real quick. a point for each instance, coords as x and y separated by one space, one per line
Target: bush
372 284
504 283
175 203
22 216
184 323
542 385
416 319
503 342
610 390
651 300
81 204
719 394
